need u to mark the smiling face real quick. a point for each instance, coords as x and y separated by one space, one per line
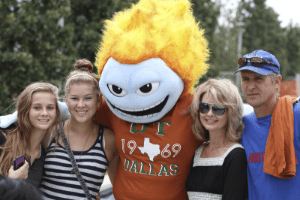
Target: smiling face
82 102
42 113
211 121
140 93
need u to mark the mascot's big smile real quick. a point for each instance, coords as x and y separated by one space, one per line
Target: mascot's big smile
156 108
142 92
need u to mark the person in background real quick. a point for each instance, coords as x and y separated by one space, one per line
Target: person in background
219 169
12 189
271 134
38 115
78 157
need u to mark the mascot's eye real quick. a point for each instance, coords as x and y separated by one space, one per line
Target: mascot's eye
148 88
115 90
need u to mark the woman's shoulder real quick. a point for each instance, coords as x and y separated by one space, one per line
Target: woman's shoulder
108 135
235 147
109 143
236 152
107 131
104 130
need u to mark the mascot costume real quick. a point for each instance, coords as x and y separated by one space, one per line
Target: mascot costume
150 57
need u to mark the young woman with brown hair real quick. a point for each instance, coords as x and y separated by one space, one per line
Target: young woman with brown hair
38 114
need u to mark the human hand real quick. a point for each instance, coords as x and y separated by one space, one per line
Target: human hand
21 173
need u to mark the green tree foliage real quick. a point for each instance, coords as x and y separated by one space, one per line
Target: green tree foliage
262 30
87 18
293 50
225 48
207 13
39 39
35 44
262 27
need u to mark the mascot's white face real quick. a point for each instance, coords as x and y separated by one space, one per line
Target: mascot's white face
140 93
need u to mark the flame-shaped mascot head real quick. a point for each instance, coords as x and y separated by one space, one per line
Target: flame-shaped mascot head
150 56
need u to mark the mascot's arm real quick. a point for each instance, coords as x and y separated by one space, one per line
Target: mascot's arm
247 109
64 111
7 120
103 115
110 152
112 168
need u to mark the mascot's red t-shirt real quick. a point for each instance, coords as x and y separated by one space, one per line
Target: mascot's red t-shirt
155 158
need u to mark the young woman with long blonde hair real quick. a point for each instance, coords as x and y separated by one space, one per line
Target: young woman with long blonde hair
77 159
38 114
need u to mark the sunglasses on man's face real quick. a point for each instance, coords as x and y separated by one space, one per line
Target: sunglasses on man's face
216 109
255 61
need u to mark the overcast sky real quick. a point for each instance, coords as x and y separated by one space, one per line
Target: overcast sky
288 10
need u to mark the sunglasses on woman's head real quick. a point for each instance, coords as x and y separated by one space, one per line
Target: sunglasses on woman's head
216 109
255 61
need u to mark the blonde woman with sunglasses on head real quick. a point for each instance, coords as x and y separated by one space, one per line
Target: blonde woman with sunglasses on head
219 169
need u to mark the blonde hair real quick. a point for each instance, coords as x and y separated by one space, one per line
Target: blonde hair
17 139
157 29
227 94
82 73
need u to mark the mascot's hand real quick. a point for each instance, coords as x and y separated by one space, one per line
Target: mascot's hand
7 120
63 109
247 109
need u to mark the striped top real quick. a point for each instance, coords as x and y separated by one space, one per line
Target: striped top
60 182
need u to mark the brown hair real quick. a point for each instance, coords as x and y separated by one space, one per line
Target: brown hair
17 139
83 73
227 94
84 65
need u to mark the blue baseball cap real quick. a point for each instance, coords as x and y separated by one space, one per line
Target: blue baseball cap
268 63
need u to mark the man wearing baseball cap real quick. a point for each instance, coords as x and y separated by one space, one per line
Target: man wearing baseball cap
271 136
